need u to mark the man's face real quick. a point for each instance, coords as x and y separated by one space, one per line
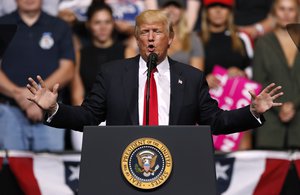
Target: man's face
29 5
154 37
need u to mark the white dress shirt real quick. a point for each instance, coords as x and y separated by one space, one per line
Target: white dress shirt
162 79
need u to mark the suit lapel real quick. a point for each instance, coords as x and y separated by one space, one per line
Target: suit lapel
177 92
130 86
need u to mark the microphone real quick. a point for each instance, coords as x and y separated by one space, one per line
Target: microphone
151 64
152 61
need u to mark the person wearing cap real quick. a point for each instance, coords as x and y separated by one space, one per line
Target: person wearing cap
228 3
42 45
181 90
225 46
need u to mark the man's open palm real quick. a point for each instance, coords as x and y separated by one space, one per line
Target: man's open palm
42 96
266 99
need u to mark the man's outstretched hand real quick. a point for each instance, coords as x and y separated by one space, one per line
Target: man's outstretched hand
265 100
42 96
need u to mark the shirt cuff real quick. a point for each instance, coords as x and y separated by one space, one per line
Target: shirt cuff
256 117
49 119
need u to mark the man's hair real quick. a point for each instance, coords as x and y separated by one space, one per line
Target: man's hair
150 17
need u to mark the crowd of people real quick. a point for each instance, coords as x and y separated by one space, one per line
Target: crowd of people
68 41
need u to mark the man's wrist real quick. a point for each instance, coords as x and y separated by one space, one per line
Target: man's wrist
52 113
255 114
53 109
253 111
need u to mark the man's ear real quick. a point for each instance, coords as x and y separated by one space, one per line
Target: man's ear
137 41
171 37
170 41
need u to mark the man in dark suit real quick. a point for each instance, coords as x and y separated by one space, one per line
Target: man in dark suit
182 91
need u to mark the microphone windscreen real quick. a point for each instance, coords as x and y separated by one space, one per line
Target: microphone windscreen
152 59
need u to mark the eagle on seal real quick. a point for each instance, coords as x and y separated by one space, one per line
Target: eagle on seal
146 162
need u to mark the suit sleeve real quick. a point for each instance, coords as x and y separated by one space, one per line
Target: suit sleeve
91 112
223 122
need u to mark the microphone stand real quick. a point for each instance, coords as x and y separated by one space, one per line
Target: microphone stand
152 60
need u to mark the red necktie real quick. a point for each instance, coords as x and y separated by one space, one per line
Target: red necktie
153 105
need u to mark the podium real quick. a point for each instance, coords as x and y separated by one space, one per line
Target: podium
154 160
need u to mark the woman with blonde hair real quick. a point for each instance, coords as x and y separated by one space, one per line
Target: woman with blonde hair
187 46
277 59
223 44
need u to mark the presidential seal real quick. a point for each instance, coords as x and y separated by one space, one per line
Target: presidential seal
146 163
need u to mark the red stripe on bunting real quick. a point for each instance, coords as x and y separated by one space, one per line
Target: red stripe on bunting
297 164
23 171
272 179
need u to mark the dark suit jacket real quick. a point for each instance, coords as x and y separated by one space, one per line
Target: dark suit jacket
114 98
